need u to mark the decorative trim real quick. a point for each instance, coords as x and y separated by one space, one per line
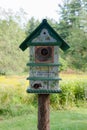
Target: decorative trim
43 64
43 43
43 78
43 91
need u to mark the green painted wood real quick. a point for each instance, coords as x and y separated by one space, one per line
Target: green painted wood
43 91
44 44
43 64
42 78
44 24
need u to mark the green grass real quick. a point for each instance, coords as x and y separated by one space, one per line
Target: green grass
59 120
18 109
69 120
24 122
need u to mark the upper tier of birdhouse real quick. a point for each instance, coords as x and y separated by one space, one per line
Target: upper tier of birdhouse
44 35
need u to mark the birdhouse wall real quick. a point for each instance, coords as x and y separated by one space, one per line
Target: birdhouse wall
55 54
47 73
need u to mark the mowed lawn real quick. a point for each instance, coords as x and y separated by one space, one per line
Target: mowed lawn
59 120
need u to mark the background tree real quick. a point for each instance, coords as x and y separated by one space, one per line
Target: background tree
11 35
31 25
72 27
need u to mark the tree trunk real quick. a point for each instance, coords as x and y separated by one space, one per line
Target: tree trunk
43 112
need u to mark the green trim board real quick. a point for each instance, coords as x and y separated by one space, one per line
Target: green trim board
42 91
43 78
44 25
44 44
43 64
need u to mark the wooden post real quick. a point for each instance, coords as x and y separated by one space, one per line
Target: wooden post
43 112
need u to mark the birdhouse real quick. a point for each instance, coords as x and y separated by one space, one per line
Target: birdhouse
44 44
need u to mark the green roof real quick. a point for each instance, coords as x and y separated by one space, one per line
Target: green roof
44 25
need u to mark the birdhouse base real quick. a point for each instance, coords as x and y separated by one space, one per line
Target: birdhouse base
43 91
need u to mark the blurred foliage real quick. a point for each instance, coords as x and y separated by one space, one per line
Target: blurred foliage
72 27
11 35
15 101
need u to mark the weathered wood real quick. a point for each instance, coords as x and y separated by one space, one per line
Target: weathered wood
43 112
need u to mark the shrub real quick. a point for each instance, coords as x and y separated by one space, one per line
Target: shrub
15 101
73 94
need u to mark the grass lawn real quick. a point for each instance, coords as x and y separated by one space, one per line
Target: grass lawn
14 101
59 120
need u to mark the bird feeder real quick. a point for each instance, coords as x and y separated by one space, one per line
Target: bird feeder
44 44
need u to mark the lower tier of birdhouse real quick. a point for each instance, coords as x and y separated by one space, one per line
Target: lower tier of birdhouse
43 78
